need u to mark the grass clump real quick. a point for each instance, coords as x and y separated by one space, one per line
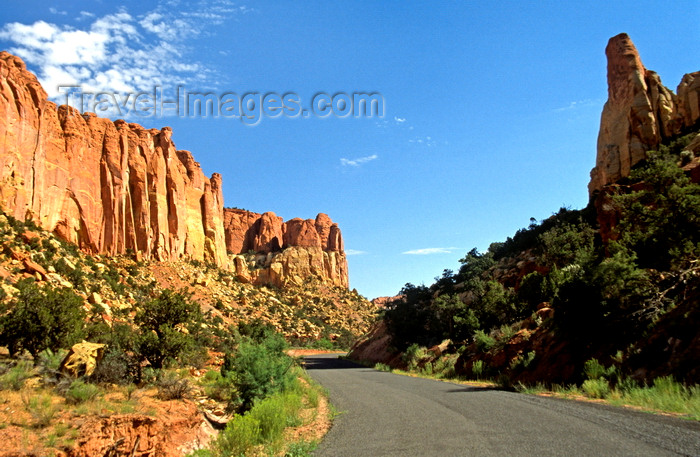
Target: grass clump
665 394
81 392
596 388
41 408
14 378
262 426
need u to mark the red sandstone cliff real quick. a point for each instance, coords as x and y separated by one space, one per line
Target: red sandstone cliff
107 186
284 251
113 187
640 112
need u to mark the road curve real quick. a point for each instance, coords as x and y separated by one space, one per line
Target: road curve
383 414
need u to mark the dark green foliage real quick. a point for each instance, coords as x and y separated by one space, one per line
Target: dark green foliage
661 220
407 317
41 318
168 324
258 369
567 243
527 238
495 304
473 267
121 362
534 289
452 318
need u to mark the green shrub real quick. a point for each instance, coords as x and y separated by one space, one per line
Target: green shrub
667 395
264 424
483 341
271 415
81 391
201 453
14 378
478 368
167 325
48 365
239 437
41 408
41 318
259 369
594 370
382 367
414 355
596 388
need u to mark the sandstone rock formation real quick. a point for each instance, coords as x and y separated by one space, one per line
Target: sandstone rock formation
116 187
640 112
268 251
107 186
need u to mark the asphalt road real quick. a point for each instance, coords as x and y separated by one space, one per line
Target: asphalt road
383 414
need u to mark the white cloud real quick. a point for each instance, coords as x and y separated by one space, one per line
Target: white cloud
354 252
578 104
423 141
119 52
53 10
428 251
399 120
359 161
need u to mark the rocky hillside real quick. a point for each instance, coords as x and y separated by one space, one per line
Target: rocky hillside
113 287
617 281
116 188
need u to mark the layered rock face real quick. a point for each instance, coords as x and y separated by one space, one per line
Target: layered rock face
282 252
640 112
107 186
116 187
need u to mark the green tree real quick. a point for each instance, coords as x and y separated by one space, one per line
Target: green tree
168 324
456 321
660 220
41 318
258 369
408 317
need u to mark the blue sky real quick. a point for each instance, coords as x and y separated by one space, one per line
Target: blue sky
491 109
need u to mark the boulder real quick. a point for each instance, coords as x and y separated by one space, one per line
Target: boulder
82 359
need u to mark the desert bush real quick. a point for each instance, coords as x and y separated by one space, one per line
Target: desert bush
121 362
221 388
596 388
264 424
414 355
167 324
665 394
300 449
41 318
478 368
48 364
171 386
259 369
484 342
14 378
241 435
80 391
595 370
41 408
